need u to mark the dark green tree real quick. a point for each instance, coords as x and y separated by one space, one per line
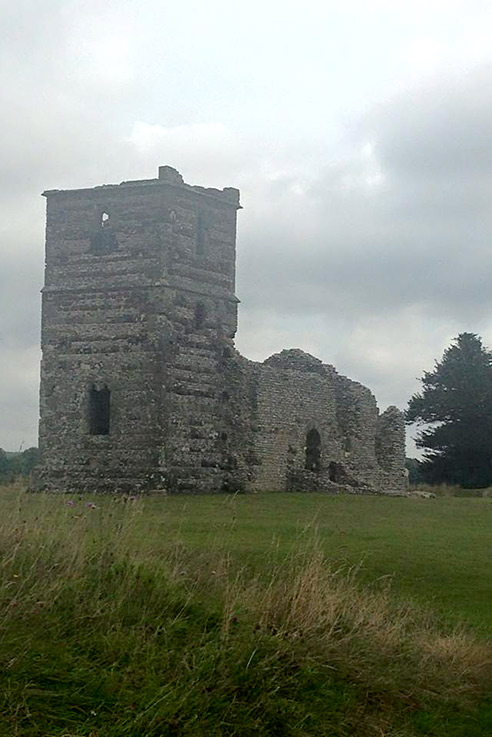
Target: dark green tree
4 466
15 465
27 460
415 475
455 405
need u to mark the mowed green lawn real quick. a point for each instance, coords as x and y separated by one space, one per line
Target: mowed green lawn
437 551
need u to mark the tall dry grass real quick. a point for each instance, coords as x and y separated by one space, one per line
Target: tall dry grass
75 578
366 633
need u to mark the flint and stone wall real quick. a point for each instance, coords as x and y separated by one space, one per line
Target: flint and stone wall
139 303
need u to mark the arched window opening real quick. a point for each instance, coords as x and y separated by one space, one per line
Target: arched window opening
200 315
99 410
313 451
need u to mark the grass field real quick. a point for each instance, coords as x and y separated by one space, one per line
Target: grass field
282 614
436 550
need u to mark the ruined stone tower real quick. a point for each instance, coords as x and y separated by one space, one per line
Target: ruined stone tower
141 386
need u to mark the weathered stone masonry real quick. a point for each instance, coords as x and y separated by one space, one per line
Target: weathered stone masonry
141 386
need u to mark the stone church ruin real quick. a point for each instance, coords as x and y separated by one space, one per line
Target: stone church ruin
142 388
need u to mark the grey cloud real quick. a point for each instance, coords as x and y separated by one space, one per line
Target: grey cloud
418 235
439 131
372 258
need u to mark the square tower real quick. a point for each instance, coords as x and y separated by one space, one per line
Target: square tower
138 310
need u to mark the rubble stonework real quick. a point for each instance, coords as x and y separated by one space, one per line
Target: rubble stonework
141 385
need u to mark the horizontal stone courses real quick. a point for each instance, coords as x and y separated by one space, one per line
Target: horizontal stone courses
83 478
110 268
144 436
185 474
98 283
196 360
80 300
95 467
96 329
100 276
95 318
62 343
199 457
50 290
138 341
216 288
200 340
223 273
102 349
184 364
190 372
181 404
62 317
119 455
195 350
189 391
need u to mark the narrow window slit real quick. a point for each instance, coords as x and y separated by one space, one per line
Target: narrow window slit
99 410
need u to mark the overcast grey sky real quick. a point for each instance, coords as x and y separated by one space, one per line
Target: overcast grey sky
359 133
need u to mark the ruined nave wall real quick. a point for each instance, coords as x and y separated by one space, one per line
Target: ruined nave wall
294 397
141 386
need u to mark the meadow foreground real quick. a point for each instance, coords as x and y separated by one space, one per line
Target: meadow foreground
281 614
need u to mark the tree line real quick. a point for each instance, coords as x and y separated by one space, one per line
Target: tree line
14 465
454 412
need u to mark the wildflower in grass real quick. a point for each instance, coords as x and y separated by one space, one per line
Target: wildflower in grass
69 503
91 505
